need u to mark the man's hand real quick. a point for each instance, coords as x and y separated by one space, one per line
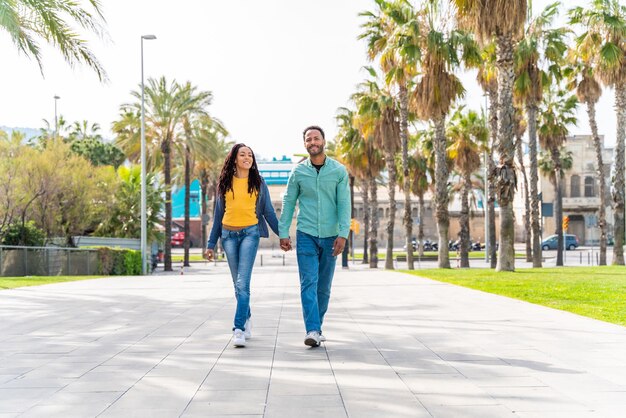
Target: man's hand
285 244
338 246
209 254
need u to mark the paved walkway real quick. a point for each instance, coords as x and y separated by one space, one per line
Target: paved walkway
398 346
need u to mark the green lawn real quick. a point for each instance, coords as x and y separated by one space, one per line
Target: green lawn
596 292
431 254
192 257
12 282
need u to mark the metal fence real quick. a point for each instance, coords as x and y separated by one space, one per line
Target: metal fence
47 261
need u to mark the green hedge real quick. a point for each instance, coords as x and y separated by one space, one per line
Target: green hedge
119 262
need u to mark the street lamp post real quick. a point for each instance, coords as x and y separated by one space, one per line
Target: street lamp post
144 229
56 123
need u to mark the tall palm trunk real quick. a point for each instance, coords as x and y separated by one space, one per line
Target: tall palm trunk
491 179
186 227
166 148
390 162
441 193
373 224
597 143
346 249
464 219
404 139
531 111
558 203
527 229
420 226
366 219
618 176
506 177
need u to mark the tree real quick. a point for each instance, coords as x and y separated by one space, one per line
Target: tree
488 79
557 113
123 215
443 51
378 121
520 129
602 47
501 21
166 104
538 62
588 90
392 35
209 160
26 21
468 134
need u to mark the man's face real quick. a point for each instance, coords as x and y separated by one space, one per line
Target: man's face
314 143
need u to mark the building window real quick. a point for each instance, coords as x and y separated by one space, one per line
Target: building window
414 212
574 186
590 187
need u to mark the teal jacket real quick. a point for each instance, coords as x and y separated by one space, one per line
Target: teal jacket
324 200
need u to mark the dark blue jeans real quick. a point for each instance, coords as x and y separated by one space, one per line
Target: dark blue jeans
316 265
240 248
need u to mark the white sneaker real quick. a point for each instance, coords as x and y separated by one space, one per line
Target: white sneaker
312 339
248 331
322 338
239 339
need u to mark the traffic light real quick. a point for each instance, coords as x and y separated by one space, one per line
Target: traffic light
565 223
354 226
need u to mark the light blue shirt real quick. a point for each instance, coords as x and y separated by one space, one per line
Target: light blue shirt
324 200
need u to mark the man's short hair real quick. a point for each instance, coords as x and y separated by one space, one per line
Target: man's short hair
308 128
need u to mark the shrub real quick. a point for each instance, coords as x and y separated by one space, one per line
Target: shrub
119 262
28 235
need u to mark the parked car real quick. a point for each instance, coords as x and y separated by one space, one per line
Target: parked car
178 239
551 242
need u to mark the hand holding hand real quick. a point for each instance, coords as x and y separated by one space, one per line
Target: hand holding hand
338 246
285 244
209 254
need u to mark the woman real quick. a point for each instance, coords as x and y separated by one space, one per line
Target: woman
242 208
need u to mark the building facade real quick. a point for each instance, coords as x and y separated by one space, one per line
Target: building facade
581 191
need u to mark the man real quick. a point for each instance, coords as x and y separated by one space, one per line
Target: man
320 186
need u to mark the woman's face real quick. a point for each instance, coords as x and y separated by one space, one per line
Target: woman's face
244 159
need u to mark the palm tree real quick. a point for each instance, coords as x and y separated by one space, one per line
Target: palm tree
520 129
27 21
488 79
378 122
209 159
557 113
166 105
588 91
468 134
349 151
502 21
392 36
83 130
605 32
187 147
541 44
435 92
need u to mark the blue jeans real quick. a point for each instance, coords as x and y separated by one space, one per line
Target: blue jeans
316 265
240 248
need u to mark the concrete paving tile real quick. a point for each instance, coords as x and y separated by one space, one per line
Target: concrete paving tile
113 412
65 411
476 411
21 399
30 382
540 399
382 403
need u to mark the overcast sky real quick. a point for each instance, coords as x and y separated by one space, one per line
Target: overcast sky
273 66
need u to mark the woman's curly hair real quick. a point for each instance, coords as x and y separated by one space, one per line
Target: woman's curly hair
225 182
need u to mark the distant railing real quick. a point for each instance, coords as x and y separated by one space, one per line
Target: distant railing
47 261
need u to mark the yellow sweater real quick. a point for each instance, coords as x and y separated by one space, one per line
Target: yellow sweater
240 205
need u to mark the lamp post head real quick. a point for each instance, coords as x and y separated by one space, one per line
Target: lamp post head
149 37
56 97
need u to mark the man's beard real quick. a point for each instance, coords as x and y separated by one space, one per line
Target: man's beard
320 150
